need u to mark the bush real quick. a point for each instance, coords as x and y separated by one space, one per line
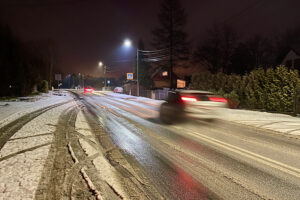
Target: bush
272 90
233 99
202 81
254 89
43 87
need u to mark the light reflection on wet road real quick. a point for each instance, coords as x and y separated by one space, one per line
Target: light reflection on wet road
172 181
187 159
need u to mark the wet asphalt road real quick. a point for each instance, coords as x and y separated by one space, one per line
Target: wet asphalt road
198 159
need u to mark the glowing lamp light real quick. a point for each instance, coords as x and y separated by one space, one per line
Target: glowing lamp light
127 43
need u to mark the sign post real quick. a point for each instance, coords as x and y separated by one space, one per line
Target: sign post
58 78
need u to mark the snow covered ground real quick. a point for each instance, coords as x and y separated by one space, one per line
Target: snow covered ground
11 110
271 121
24 155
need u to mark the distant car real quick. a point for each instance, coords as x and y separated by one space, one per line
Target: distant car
118 90
191 104
88 90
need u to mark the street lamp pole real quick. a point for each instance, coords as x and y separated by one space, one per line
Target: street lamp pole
100 64
127 43
137 73
105 67
83 80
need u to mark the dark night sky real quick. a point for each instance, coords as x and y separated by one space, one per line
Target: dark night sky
86 31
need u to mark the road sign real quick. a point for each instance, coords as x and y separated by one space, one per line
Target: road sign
129 76
58 77
181 83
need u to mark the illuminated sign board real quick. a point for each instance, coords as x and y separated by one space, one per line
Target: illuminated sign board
129 76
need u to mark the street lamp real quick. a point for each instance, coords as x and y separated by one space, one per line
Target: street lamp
81 79
100 64
127 43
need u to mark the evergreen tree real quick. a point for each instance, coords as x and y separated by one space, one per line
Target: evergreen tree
170 34
21 64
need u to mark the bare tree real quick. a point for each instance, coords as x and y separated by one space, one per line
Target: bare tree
217 50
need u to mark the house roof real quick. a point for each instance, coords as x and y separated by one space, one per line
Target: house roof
296 48
158 70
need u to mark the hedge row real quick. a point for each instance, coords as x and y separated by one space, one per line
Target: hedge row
271 90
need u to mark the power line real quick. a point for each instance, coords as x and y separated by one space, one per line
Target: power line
154 59
154 51
147 59
153 54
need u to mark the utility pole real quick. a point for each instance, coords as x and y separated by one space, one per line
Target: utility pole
137 73
295 107
83 81
171 48
105 68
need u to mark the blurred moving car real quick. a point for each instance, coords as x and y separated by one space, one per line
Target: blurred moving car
191 104
118 90
88 90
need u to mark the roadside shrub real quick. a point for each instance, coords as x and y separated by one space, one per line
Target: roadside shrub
271 90
254 89
280 89
233 99
233 83
43 87
202 81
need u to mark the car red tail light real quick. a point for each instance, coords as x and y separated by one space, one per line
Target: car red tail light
218 99
88 90
189 99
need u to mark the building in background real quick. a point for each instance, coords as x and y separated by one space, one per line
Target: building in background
292 58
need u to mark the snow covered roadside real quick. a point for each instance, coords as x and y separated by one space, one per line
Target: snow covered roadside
106 172
22 158
271 121
11 110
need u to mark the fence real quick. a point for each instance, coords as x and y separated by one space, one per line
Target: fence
159 94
